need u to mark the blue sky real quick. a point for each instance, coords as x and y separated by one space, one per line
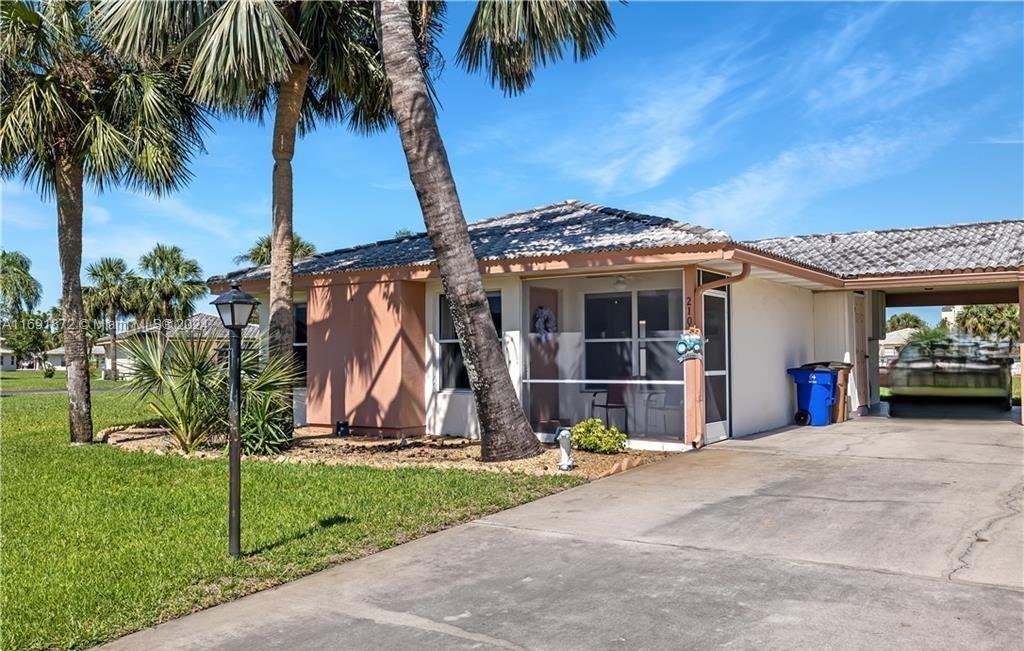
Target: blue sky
760 119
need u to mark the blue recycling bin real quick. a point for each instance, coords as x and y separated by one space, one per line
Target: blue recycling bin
815 394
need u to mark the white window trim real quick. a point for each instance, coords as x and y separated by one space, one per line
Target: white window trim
438 389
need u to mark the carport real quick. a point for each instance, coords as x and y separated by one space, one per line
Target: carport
962 264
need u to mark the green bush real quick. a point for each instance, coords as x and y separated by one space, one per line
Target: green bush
48 371
265 427
185 382
593 436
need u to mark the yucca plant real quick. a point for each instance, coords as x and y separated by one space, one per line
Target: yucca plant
185 382
181 379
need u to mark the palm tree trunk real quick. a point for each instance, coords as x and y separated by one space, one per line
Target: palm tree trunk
506 432
286 120
69 182
112 316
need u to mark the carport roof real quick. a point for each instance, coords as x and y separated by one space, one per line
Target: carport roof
981 246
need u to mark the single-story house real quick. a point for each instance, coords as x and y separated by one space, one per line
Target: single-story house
889 348
589 302
197 325
7 360
55 357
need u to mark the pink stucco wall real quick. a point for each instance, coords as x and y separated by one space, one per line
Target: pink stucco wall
366 359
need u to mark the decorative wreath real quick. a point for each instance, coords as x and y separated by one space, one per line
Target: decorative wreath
545 323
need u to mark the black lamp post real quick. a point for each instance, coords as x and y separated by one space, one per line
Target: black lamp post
235 307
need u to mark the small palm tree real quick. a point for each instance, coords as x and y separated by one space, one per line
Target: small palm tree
260 252
904 320
113 289
71 112
170 285
19 290
304 61
509 38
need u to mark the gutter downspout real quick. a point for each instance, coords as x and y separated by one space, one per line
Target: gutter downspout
693 369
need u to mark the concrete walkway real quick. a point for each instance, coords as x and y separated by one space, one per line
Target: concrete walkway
874 534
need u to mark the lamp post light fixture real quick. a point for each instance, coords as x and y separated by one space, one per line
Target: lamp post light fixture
235 308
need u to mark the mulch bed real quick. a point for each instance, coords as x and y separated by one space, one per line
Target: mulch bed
317 445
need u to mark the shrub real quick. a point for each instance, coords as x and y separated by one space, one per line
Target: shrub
593 436
48 370
185 382
265 426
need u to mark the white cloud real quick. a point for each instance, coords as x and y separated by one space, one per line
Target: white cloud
177 210
94 214
877 82
767 193
640 146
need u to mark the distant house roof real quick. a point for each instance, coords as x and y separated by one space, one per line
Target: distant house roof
204 325
567 227
899 337
982 246
59 350
577 227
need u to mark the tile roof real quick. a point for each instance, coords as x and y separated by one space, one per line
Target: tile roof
59 350
982 246
199 324
567 227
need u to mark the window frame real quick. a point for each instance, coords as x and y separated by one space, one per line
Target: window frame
304 381
441 342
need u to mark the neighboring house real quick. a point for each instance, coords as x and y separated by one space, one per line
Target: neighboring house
7 359
949 314
204 325
890 347
56 358
589 302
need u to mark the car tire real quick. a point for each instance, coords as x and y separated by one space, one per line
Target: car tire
892 407
1007 403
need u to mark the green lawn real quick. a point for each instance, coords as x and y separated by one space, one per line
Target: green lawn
11 381
99 542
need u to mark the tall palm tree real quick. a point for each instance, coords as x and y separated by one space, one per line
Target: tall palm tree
304 61
509 38
113 289
1000 321
260 252
170 285
19 290
72 112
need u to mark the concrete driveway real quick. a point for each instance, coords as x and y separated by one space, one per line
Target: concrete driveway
874 534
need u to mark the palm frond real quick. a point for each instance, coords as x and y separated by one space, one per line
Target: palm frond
511 38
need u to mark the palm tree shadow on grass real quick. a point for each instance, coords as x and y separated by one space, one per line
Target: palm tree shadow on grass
321 525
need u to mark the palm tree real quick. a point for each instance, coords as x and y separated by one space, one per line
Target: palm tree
260 252
19 291
72 112
509 38
306 61
111 294
170 285
904 320
1000 321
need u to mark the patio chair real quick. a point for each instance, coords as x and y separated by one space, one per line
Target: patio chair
666 402
614 399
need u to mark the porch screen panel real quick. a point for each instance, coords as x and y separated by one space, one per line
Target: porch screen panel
608 333
659 322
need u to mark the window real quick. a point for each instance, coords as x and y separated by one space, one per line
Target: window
659 324
621 327
608 336
453 368
301 341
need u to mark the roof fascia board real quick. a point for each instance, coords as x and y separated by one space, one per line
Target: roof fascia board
742 254
935 279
